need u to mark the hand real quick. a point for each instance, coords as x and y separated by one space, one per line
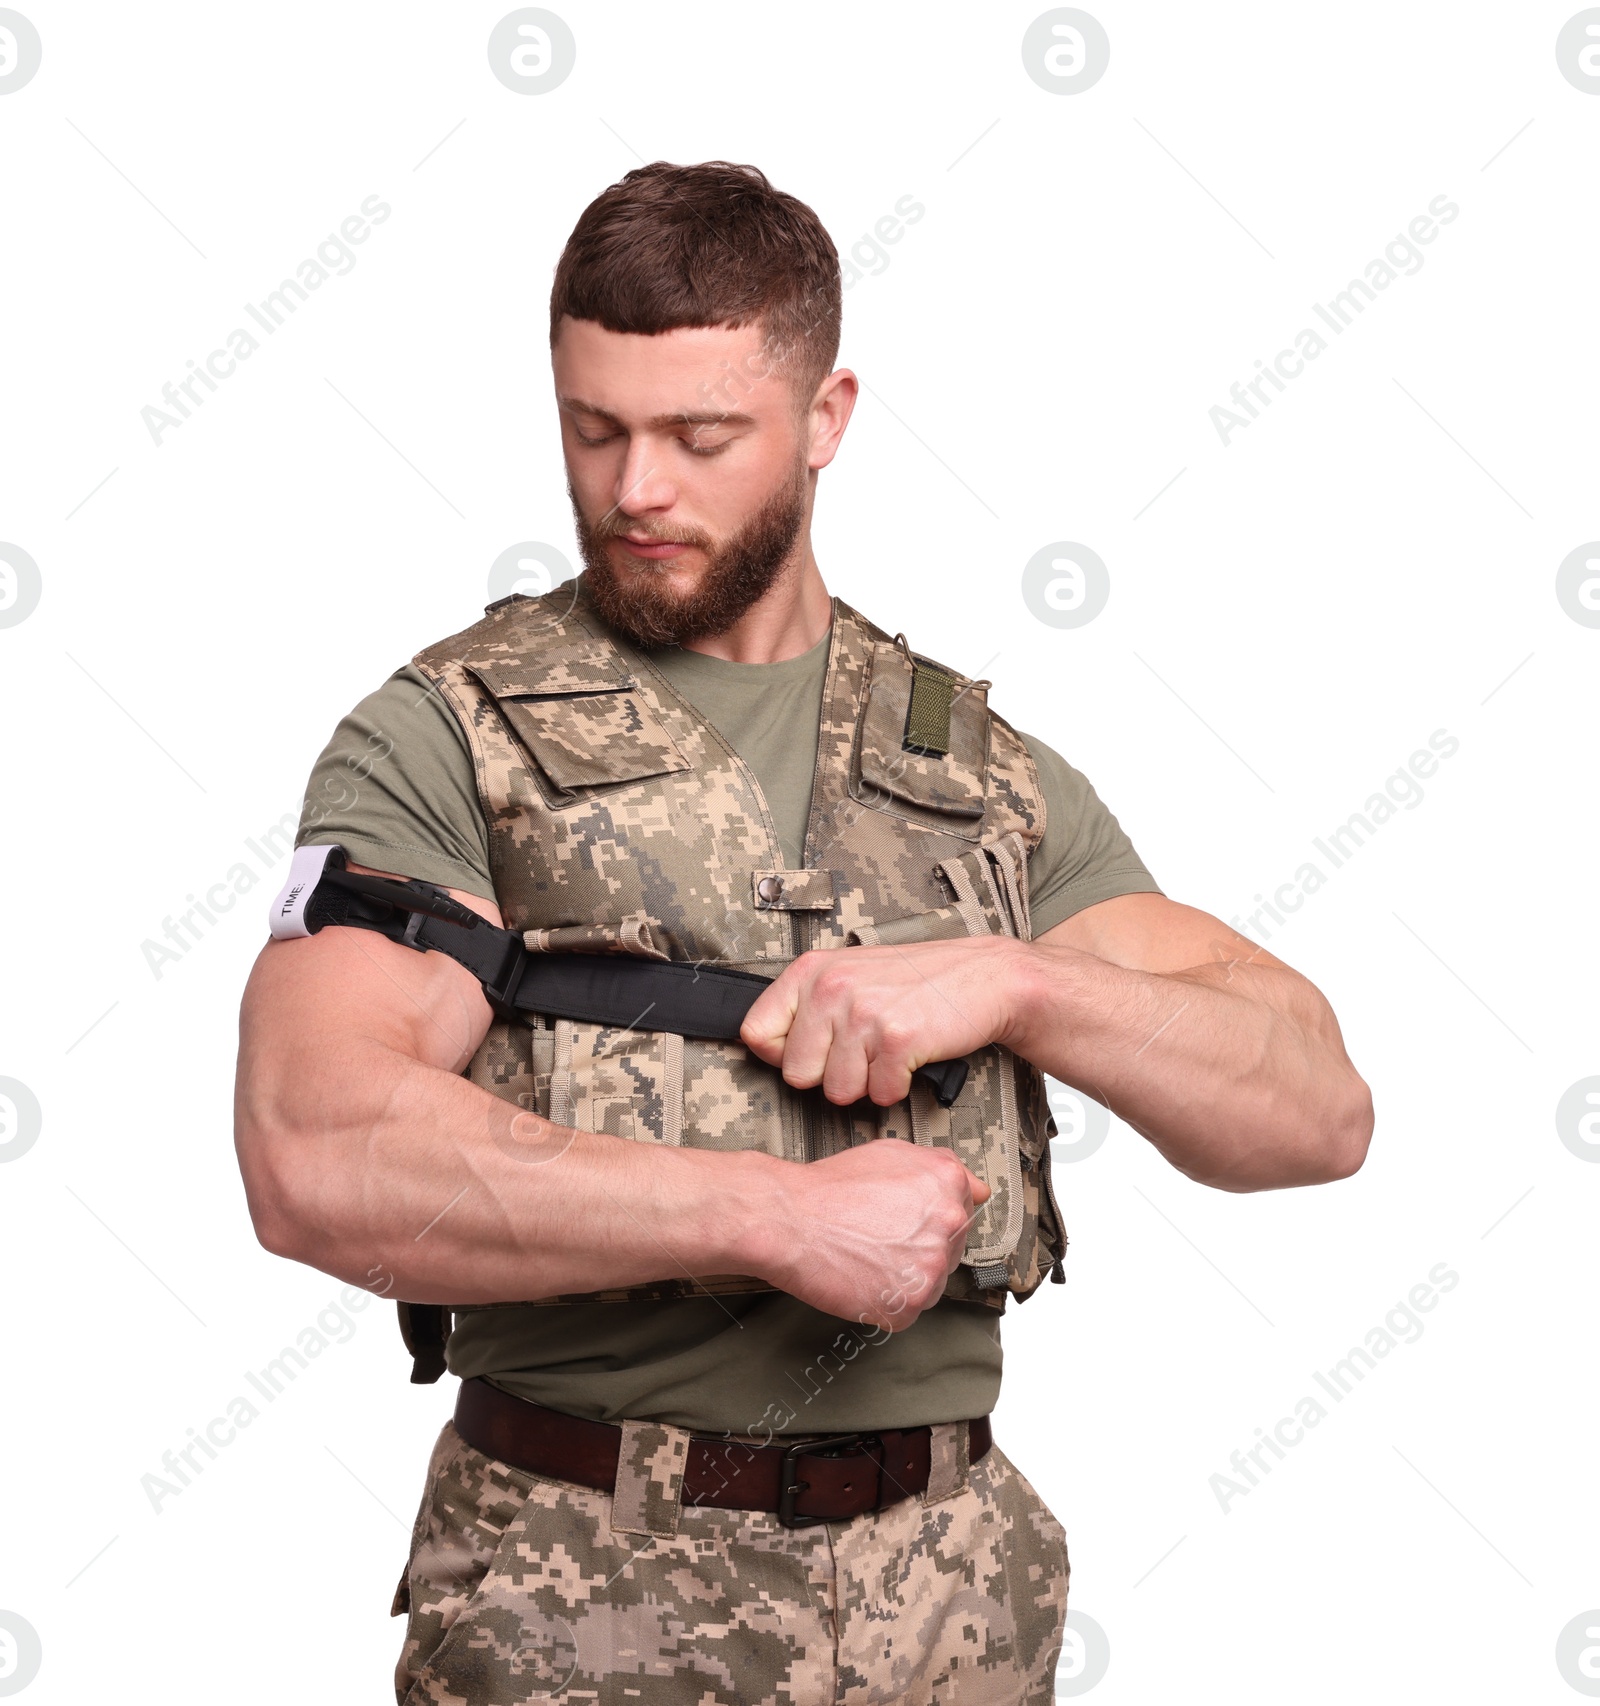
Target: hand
871 1234
860 1021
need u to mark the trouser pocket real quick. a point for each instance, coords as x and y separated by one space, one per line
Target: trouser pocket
1038 1574
468 1504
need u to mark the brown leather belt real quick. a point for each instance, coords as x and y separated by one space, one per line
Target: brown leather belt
828 1480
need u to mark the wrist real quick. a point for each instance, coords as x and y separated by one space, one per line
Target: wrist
1031 992
1058 997
750 1228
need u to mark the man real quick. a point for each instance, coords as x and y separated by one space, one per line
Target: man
728 1342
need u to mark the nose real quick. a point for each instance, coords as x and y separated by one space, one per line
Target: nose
642 483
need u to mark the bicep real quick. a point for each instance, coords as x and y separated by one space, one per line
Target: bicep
1149 932
307 995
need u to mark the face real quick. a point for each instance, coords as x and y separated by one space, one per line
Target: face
689 474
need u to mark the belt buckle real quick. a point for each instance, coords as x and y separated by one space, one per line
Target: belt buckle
790 1486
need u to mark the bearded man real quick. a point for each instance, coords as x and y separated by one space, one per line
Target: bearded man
725 1300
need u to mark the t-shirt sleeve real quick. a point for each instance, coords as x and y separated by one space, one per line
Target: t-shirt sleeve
1084 855
396 788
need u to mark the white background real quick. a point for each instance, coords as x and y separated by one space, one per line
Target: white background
1372 560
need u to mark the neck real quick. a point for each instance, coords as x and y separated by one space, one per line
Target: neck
790 619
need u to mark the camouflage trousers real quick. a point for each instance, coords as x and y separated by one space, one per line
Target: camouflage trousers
522 1588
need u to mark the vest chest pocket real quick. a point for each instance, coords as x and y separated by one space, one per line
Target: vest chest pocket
895 770
589 732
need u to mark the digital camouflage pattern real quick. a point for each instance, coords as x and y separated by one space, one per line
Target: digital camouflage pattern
649 1487
620 821
524 1589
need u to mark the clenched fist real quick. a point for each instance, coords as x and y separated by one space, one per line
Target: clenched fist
869 1235
860 1021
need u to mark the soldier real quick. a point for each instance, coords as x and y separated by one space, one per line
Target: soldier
725 1308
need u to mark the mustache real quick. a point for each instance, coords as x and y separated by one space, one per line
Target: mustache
655 536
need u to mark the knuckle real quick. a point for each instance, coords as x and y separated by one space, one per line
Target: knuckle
896 1033
828 977
947 1165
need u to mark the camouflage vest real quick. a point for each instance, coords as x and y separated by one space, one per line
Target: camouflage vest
620 821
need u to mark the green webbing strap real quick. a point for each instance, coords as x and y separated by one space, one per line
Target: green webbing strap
928 714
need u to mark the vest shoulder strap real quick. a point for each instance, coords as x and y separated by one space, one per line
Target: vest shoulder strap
532 645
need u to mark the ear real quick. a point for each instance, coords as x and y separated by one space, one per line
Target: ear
829 415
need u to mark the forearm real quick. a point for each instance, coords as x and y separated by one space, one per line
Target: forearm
366 1153
408 1179
1235 1072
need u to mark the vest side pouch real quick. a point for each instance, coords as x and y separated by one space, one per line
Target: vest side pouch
983 1130
629 1084
542 1042
654 1086
993 1125
505 1066
624 1083
997 873
732 1100
1038 1188
658 1087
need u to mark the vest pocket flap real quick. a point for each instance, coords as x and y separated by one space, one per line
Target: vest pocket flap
939 925
952 782
590 739
569 664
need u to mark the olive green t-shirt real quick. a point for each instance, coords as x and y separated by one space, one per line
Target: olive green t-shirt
755 1364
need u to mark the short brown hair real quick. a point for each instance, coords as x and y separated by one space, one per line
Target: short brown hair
709 245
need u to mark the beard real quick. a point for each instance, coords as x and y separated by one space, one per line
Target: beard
638 600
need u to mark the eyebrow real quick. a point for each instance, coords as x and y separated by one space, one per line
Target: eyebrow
659 423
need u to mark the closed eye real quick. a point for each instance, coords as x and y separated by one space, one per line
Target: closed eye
693 449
